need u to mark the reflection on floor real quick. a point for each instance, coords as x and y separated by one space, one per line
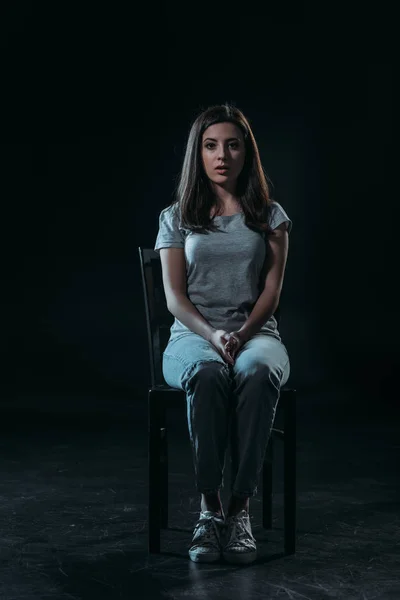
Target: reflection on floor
73 511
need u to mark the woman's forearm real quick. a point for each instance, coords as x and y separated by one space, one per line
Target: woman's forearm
183 310
263 309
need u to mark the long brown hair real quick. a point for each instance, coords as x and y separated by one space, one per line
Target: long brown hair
194 194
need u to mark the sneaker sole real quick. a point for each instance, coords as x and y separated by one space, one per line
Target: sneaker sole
206 557
240 558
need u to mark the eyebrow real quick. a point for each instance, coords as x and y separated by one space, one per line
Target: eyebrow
228 140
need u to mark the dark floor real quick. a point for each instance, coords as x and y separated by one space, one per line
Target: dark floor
73 515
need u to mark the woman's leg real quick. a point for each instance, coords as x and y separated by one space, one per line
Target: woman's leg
261 368
192 364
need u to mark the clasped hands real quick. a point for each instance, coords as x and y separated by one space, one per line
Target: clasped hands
228 344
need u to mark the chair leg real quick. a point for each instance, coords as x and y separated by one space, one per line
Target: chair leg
164 477
267 485
290 472
154 501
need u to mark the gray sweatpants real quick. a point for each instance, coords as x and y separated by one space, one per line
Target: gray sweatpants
225 400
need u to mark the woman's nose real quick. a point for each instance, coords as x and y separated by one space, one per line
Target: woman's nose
222 151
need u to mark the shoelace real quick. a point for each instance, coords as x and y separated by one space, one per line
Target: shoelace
206 530
241 533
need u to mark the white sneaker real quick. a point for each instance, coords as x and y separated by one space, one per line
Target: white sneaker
239 543
206 542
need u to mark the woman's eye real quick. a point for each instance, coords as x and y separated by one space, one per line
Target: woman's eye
232 145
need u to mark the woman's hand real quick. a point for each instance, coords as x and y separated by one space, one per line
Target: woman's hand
220 339
236 340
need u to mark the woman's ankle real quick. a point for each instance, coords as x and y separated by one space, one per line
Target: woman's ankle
211 502
236 505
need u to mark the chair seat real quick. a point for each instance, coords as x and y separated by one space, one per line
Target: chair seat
167 388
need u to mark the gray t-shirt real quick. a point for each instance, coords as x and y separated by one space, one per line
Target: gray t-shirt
223 269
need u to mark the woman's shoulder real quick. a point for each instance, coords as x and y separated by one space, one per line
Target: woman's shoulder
277 215
274 205
171 209
171 213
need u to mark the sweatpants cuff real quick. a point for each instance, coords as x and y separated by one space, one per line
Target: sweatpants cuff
210 490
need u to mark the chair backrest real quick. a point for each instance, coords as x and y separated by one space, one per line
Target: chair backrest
158 317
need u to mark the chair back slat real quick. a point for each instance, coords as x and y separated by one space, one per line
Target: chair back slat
277 315
158 317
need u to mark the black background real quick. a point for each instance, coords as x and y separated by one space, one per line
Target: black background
97 105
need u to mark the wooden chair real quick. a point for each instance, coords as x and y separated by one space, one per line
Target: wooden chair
161 397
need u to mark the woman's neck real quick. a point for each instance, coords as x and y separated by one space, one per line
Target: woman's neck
226 208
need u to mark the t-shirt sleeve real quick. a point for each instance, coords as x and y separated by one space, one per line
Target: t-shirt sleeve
277 216
169 235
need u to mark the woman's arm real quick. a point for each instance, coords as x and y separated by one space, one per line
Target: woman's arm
175 285
268 300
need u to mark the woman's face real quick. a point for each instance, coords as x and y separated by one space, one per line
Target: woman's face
223 145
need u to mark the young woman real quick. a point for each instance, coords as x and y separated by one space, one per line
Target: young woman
223 246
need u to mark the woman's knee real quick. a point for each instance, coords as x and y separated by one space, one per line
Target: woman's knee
259 372
209 373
